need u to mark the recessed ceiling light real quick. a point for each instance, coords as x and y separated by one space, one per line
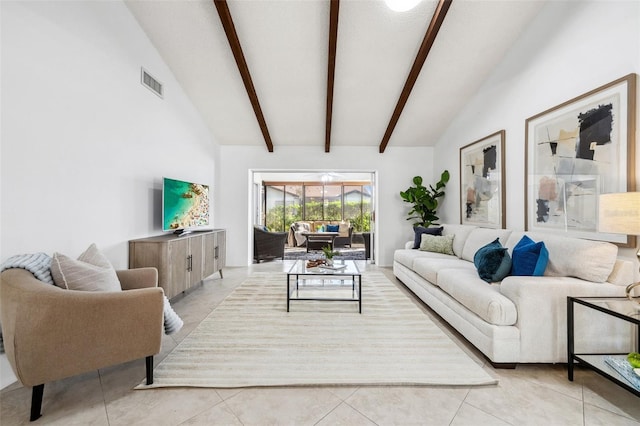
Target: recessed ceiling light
401 5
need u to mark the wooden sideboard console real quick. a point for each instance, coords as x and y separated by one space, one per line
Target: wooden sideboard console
181 261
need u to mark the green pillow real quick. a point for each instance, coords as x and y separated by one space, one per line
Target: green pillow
419 230
437 244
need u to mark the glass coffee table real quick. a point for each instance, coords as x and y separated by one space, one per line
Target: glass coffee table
613 366
341 282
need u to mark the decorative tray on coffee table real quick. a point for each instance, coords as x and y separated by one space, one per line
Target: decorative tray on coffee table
332 268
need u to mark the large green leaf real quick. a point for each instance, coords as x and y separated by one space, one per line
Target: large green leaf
424 200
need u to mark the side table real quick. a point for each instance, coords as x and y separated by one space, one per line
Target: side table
618 307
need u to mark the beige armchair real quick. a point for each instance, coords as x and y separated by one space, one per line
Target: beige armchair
50 333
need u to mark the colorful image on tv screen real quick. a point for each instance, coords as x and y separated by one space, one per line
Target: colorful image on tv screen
185 204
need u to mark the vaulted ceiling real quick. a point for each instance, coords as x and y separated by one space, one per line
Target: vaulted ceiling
331 73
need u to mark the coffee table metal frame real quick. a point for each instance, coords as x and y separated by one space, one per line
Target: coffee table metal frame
595 361
318 240
298 274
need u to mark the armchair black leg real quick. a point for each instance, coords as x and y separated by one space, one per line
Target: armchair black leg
149 362
36 402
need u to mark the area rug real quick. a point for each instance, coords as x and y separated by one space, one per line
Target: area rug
251 340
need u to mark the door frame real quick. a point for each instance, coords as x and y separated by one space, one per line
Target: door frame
254 189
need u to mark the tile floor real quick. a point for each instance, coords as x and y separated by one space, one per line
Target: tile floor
528 395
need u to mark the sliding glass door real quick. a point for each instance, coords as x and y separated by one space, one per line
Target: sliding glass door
284 197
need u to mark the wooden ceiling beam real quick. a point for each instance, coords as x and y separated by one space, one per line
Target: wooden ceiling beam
421 57
230 30
331 68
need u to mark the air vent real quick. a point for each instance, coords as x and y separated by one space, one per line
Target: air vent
151 83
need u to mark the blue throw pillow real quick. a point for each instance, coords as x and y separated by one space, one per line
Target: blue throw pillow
529 258
419 230
492 262
333 228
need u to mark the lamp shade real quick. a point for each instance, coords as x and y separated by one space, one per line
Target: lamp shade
619 213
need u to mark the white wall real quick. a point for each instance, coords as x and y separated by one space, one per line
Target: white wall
396 168
84 145
570 48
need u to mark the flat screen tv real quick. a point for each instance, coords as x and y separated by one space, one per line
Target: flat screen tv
185 206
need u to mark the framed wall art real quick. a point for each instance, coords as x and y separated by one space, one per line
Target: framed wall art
482 182
576 151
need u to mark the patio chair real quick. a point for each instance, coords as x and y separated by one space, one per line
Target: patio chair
343 241
268 245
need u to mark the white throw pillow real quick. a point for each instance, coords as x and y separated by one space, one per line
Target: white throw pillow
91 272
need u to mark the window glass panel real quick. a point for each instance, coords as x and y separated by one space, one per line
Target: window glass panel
367 190
333 202
313 202
352 202
358 207
275 208
293 202
285 204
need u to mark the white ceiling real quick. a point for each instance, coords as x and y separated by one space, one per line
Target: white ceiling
285 44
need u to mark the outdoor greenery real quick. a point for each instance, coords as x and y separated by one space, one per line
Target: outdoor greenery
276 216
424 200
361 222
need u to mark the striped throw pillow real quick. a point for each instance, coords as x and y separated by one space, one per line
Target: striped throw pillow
92 271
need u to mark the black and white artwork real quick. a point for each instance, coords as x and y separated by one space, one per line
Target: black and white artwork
575 152
482 182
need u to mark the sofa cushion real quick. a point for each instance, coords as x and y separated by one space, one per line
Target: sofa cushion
343 229
428 267
437 244
623 273
91 272
419 230
480 237
574 257
407 257
529 258
484 300
301 226
492 262
460 233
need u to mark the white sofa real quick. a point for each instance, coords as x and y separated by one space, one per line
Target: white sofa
523 318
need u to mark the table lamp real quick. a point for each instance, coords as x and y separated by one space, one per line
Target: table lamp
619 213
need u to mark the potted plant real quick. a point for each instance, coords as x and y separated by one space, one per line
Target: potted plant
424 200
328 254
